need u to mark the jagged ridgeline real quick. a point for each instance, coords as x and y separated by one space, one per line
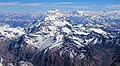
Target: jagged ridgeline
56 38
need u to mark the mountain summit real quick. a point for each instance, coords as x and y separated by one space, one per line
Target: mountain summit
56 38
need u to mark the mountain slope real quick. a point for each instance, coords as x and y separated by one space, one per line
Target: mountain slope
79 38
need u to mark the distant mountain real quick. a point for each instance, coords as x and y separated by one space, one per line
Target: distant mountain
56 38
77 16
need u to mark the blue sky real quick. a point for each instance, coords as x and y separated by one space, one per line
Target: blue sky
64 5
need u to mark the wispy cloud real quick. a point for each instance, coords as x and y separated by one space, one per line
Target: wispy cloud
115 6
33 4
52 5
63 3
67 6
30 4
8 3
45 4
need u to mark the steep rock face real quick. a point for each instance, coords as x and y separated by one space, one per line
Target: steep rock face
56 41
90 55
68 54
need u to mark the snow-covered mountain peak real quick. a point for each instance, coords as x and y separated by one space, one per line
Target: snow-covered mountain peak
53 11
54 14
56 25
8 32
57 37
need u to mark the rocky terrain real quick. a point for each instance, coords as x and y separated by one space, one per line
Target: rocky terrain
56 38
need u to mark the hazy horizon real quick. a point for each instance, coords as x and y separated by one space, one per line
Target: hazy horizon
36 6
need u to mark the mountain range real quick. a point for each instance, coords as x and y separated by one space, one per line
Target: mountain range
57 38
